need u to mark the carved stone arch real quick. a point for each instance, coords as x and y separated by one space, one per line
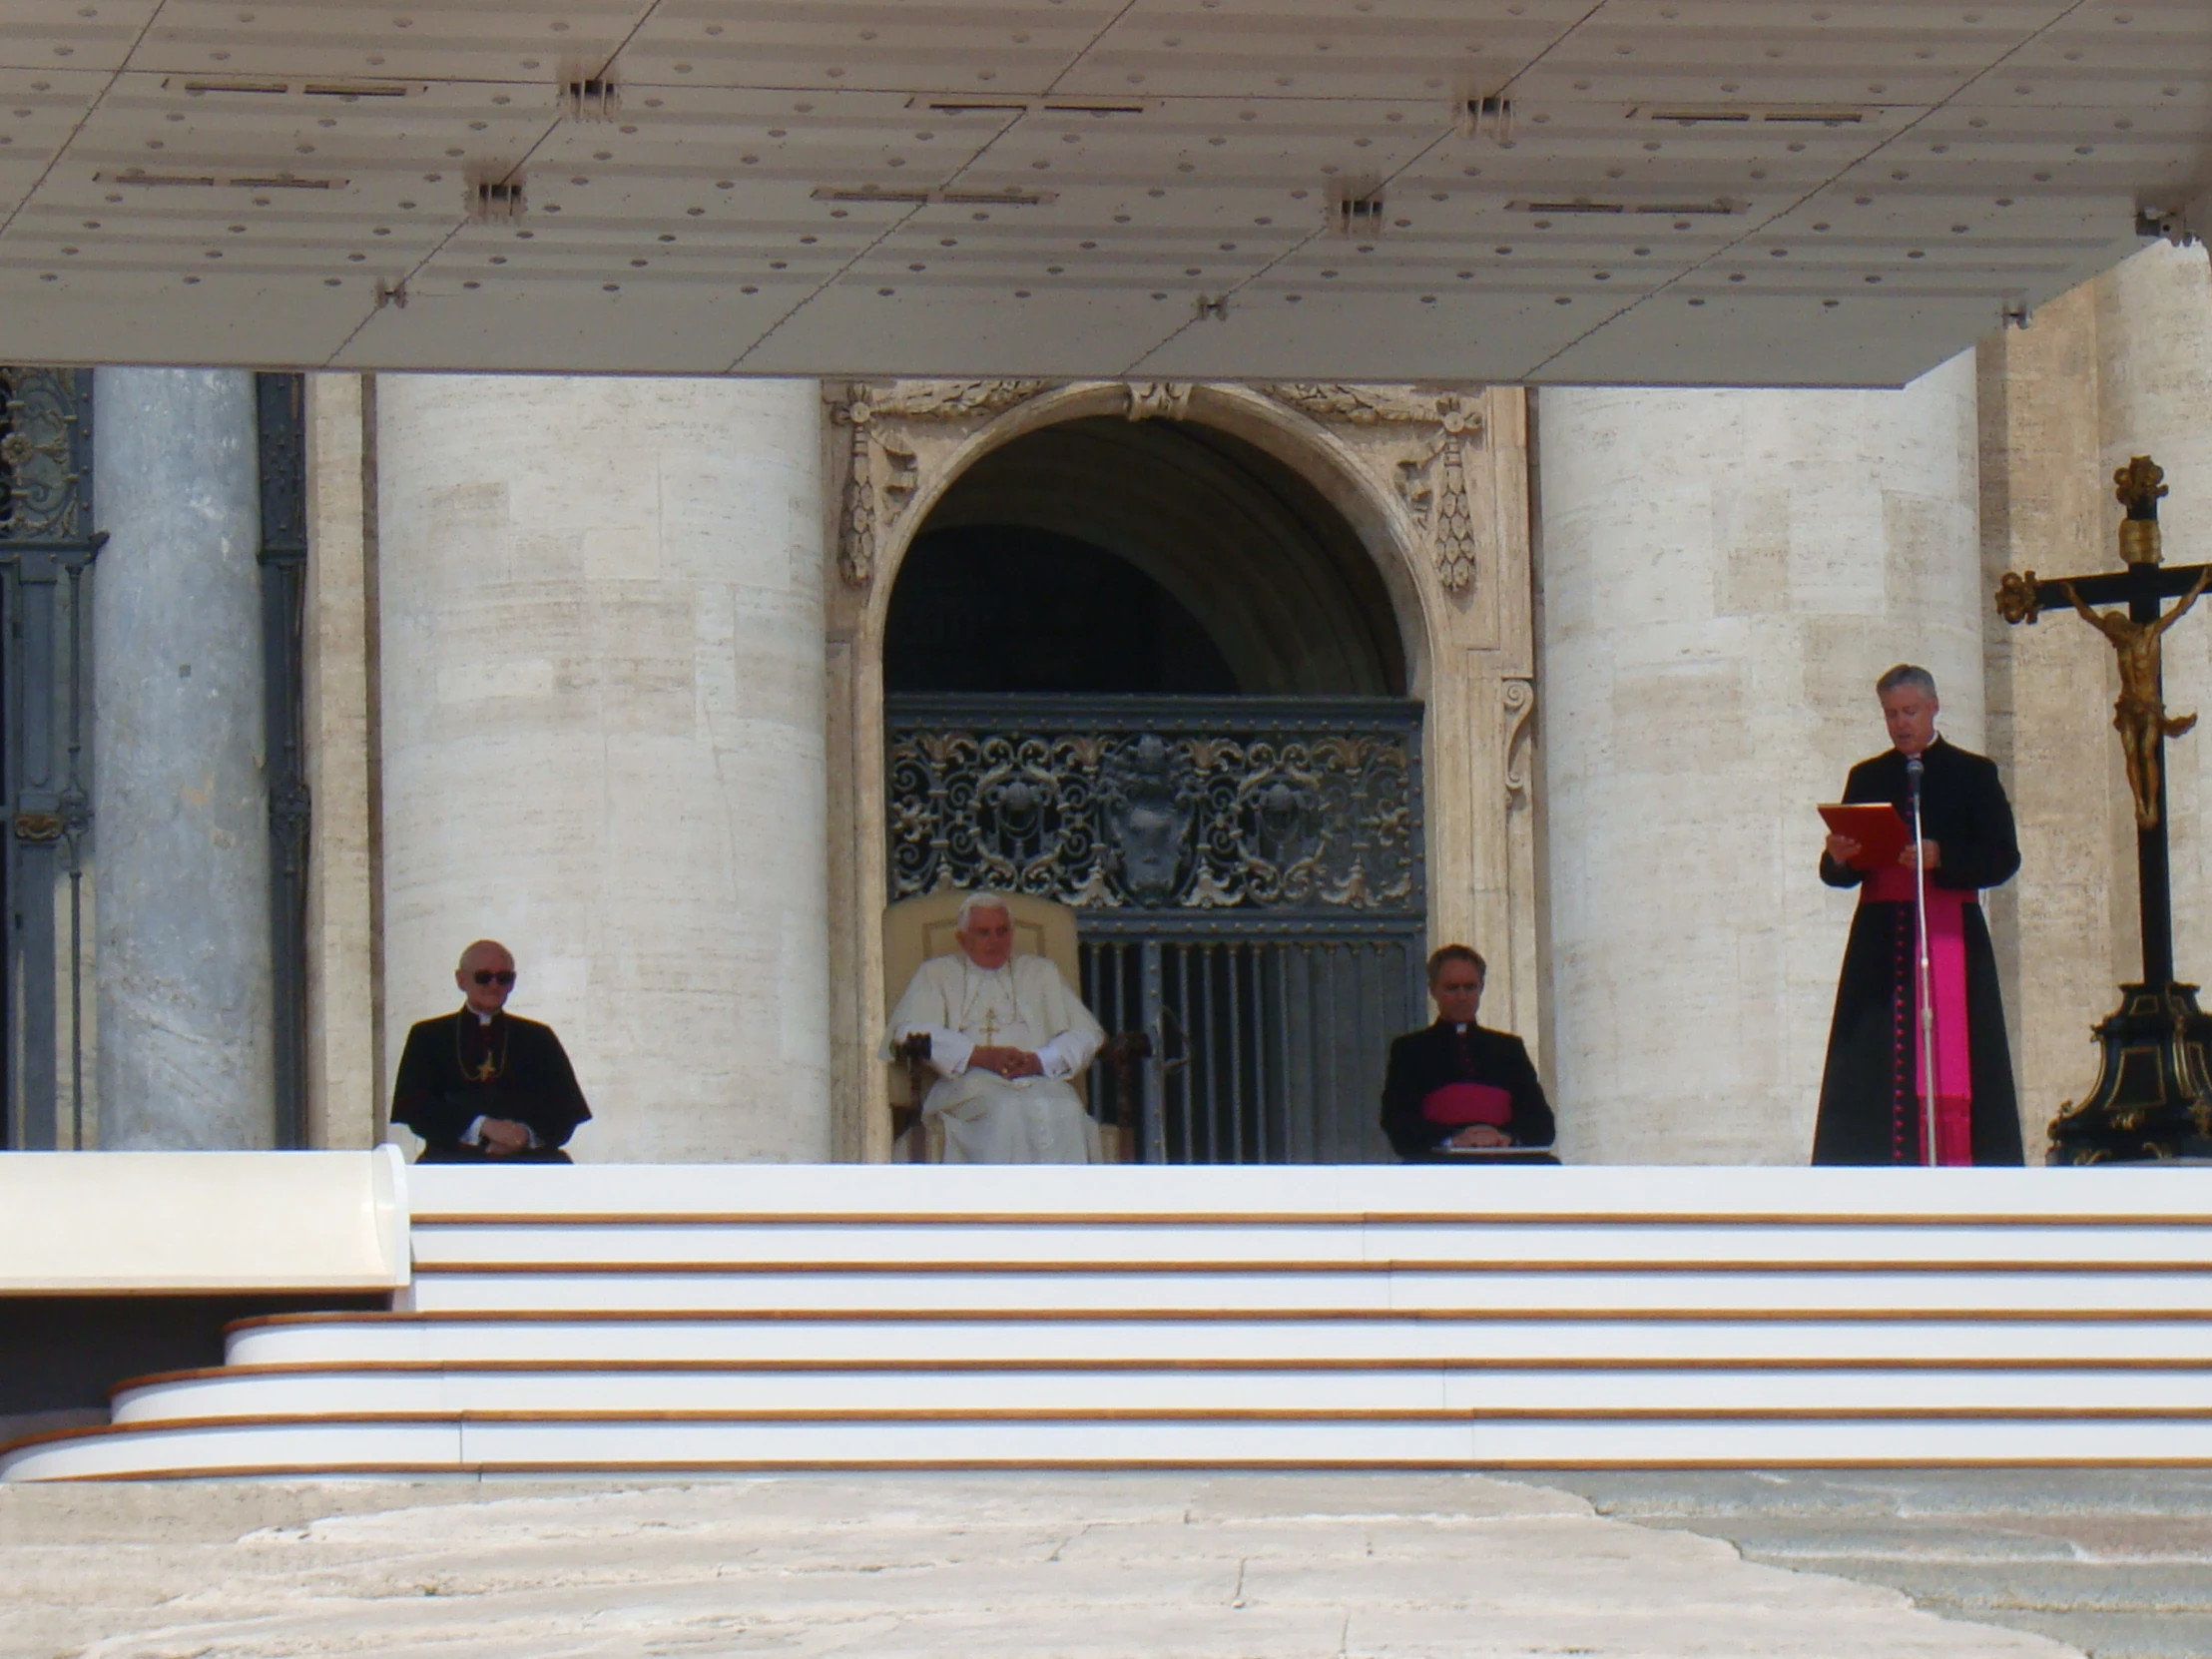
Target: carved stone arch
1432 483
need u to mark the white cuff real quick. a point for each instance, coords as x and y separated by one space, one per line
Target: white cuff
1054 1059
473 1135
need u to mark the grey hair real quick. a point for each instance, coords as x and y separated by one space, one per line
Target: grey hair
1904 673
981 899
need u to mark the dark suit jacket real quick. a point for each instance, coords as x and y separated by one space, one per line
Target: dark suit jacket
1962 810
439 1100
1424 1061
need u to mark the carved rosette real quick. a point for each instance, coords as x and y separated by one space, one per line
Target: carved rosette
1444 430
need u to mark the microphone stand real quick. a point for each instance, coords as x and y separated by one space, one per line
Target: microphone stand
1927 974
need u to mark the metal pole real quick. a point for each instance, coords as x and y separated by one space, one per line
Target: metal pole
1927 978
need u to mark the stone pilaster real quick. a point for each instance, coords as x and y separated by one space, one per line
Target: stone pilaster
1722 575
602 707
180 837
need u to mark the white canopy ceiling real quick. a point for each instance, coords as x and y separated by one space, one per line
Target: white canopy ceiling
1737 192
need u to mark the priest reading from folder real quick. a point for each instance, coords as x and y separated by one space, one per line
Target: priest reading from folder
1459 1091
1872 1096
481 1085
1006 1036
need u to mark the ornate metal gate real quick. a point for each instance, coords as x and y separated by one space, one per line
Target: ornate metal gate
47 546
1249 872
47 549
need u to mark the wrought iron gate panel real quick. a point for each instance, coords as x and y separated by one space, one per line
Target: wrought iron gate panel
281 446
1249 876
47 547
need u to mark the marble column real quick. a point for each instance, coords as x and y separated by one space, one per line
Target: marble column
2154 346
602 682
1722 576
179 828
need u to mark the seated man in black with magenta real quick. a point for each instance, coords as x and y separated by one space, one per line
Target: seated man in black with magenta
481 1085
1458 1092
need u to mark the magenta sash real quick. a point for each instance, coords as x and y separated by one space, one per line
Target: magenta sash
1463 1103
1947 957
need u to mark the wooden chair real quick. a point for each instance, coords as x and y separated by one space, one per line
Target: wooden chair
915 930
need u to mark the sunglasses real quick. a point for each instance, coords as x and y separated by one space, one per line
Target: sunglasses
485 976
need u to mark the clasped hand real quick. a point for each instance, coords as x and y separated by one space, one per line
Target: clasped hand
1009 1063
1844 849
1482 1134
502 1136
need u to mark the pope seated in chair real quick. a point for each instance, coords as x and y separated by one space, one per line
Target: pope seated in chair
1006 1037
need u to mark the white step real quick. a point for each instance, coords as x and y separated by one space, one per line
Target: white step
397 1447
754 1316
1453 1293
616 1339
1488 1244
309 1391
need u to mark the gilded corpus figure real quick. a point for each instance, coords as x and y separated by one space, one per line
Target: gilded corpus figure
2139 716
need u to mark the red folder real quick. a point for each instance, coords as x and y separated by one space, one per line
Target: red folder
1880 829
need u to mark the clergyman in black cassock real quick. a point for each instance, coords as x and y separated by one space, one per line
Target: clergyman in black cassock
1428 1066
1870 1106
483 1085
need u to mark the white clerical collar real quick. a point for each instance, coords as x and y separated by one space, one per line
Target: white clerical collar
483 1018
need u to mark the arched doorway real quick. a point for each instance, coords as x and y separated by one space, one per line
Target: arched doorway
1150 670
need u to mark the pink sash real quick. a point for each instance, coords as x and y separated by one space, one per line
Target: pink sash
1458 1104
1947 957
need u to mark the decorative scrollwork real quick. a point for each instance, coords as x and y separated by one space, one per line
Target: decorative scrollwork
2019 598
1435 480
1210 809
881 478
45 494
1521 704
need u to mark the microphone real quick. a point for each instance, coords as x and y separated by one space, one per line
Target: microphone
1912 770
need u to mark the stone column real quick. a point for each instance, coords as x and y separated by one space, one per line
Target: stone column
179 828
2154 342
601 701
1722 576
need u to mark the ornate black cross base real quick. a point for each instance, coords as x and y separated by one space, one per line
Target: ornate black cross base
2153 1098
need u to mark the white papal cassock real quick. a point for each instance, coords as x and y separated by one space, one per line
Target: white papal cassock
1025 1004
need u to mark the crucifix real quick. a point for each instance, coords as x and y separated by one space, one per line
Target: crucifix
989 1027
2153 1097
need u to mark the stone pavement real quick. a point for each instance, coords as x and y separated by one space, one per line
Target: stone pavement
2116 1562
1284 1567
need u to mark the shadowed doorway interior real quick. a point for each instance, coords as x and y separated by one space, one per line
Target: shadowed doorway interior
1148 669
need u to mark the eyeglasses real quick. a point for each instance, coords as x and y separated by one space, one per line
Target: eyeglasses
484 977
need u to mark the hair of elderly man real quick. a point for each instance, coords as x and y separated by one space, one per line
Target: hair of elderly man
482 944
1904 673
981 899
1456 953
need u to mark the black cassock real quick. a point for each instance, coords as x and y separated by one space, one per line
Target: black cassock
1870 1101
456 1069
1424 1061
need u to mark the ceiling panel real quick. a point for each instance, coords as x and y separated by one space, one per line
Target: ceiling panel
1266 188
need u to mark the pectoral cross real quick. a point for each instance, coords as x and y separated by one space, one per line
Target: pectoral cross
989 1027
488 1070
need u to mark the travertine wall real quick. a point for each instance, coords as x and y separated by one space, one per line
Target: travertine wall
345 1079
1721 577
601 679
2065 927
2121 367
